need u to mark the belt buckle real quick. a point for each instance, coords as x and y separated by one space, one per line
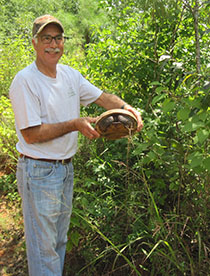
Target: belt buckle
63 162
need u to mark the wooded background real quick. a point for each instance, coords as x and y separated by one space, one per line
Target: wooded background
141 205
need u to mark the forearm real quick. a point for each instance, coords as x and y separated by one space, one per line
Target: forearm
110 101
47 132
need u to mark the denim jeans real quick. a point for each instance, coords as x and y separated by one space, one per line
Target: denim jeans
46 190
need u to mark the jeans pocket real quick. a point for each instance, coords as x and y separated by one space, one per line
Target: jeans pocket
41 170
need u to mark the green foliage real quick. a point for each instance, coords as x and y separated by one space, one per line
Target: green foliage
143 46
8 187
77 16
15 55
8 139
151 201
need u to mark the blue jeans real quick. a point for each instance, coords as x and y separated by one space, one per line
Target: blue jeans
46 189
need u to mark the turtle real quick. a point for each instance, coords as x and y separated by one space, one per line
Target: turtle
116 123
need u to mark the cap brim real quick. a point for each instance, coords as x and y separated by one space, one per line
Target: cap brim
47 23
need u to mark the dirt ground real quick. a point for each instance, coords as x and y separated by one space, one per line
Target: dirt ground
12 245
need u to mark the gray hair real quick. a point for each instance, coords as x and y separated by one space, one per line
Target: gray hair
35 38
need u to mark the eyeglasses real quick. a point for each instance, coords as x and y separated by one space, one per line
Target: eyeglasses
47 39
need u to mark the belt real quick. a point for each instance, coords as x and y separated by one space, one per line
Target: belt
63 162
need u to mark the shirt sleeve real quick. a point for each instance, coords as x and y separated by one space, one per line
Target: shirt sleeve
88 92
25 103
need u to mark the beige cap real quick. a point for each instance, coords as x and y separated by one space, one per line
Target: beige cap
43 21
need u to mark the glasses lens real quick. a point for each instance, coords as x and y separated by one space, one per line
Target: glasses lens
47 39
59 38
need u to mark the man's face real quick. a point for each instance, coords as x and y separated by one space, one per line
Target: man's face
49 50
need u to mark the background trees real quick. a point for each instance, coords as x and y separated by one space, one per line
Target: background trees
142 204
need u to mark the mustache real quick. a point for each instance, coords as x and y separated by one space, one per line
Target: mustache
52 50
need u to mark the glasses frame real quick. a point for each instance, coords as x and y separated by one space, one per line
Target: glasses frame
56 38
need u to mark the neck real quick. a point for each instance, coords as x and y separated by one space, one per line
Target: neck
49 70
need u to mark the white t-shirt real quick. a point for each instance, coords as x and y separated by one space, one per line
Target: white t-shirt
38 99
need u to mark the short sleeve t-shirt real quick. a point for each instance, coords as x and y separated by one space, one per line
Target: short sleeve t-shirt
37 98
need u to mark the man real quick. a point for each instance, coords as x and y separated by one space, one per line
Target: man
46 98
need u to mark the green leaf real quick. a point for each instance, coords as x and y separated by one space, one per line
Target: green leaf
196 161
174 186
168 106
151 155
183 114
140 148
159 89
75 221
158 98
190 126
69 246
155 83
75 237
206 163
201 136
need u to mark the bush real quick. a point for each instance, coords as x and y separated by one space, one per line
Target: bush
145 201
15 55
8 138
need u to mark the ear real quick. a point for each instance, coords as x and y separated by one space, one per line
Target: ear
34 42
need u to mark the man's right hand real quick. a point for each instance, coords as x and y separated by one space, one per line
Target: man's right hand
84 126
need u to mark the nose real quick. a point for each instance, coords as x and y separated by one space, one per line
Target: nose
53 42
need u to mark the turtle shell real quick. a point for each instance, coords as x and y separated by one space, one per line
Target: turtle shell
116 123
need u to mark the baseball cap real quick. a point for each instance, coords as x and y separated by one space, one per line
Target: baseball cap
43 21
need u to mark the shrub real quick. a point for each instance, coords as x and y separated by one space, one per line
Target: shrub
8 138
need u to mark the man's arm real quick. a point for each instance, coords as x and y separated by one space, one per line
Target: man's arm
47 132
111 101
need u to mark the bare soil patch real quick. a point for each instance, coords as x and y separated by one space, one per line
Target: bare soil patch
12 245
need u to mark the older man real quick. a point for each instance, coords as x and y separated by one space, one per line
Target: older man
46 98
